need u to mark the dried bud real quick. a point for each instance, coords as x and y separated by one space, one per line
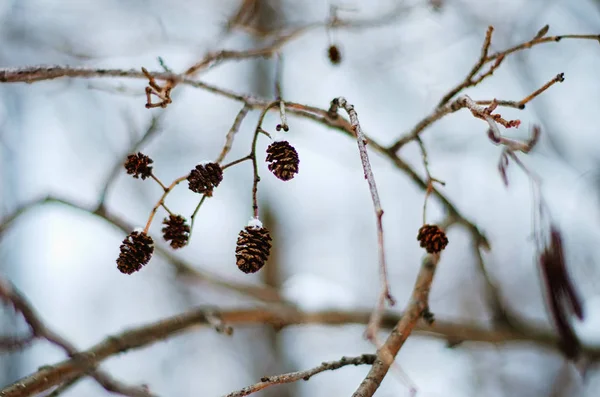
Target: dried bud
428 316
205 177
136 252
176 230
432 238
138 165
253 248
283 159
334 54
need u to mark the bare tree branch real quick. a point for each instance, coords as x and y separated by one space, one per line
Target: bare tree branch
368 173
418 305
267 381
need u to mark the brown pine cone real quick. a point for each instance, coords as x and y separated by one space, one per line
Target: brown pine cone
176 230
253 248
136 252
205 177
432 238
138 165
283 160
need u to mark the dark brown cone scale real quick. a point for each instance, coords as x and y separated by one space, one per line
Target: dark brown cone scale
138 165
432 238
253 248
283 160
176 230
205 177
136 251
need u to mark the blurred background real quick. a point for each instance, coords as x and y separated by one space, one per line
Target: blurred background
63 137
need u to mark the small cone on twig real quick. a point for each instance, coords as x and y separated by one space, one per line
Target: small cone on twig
334 54
136 251
205 177
253 247
138 165
176 230
283 160
432 238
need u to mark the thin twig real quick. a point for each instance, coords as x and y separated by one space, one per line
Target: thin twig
161 201
541 40
194 214
232 131
150 133
365 359
559 78
430 179
468 81
497 57
252 155
385 293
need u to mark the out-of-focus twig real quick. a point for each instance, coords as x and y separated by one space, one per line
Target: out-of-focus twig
232 131
151 131
365 359
10 295
471 80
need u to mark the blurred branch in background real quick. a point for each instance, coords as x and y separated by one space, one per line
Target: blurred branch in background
10 295
278 317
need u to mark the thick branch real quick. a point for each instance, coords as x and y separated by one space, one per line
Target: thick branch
418 304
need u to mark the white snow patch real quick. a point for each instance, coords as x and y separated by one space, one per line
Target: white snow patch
255 223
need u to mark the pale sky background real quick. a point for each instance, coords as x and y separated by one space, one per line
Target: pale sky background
63 136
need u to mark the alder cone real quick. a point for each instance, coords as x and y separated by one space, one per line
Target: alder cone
138 165
432 238
136 251
176 230
334 54
253 248
205 177
283 160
